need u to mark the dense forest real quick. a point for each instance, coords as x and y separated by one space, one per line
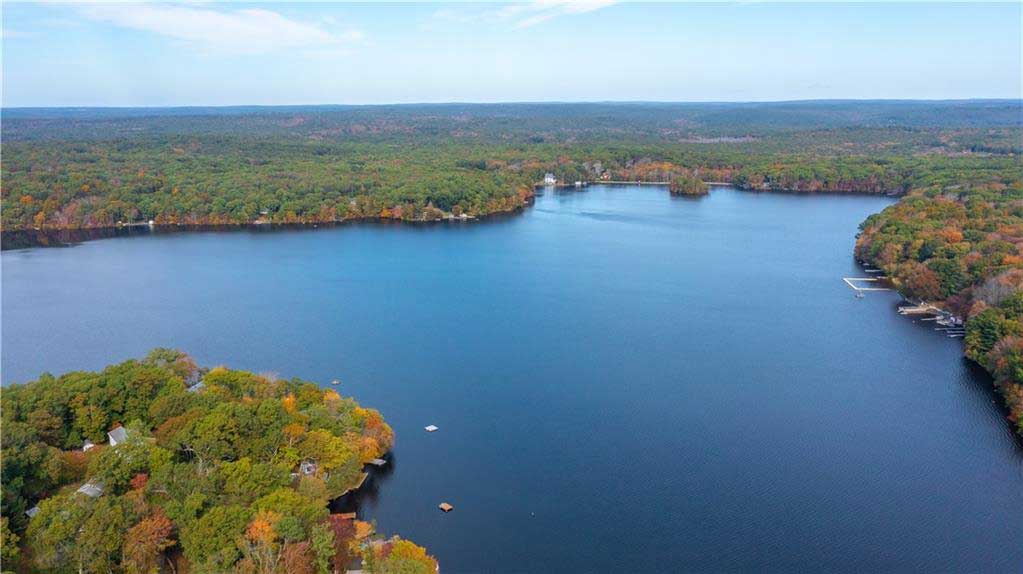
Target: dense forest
66 169
213 470
955 239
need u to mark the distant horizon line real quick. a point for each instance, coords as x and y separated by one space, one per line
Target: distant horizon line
521 102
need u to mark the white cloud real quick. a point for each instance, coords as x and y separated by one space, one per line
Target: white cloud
521 15
243 31
537 11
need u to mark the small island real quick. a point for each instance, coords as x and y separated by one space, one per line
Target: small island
687 185
157 465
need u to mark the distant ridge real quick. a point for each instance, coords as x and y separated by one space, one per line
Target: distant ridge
718 116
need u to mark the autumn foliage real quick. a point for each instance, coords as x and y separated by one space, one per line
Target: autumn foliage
236 476
959 242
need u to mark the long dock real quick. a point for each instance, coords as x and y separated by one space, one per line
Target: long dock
850 282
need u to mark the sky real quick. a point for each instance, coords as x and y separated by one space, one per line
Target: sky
208 53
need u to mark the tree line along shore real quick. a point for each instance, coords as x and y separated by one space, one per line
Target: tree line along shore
92 185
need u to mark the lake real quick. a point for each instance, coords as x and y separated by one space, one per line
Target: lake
623 381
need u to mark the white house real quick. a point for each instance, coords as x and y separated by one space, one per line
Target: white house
117 436
88 445
549 179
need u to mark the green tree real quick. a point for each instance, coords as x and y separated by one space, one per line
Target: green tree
9 551
982 332
210 543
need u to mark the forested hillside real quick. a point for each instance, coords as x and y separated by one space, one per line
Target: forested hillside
65 169
213 471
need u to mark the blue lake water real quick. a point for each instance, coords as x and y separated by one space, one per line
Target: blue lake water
623 381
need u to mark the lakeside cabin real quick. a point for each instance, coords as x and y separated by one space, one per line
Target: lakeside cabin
118 435
549 179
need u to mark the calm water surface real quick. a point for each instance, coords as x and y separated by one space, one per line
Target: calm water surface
623 381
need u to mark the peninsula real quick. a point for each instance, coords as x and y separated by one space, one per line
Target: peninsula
158 465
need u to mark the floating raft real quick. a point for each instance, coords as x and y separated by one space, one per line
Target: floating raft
445 507
431 428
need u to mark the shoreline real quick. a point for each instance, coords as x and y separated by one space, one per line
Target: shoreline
941 308
17 239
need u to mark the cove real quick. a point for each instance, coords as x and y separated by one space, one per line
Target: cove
622 380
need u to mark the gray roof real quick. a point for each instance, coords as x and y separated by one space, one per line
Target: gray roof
196 387
92 489
119 434
32 511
